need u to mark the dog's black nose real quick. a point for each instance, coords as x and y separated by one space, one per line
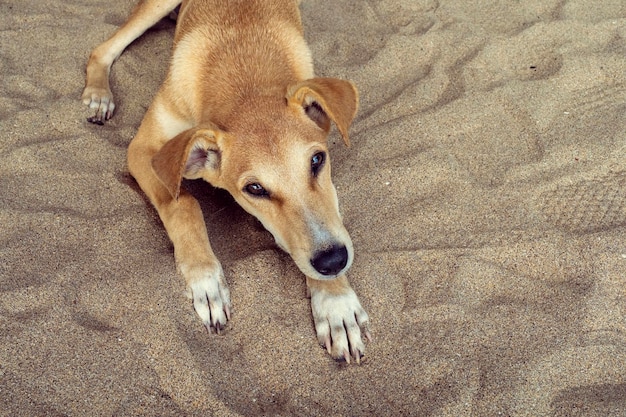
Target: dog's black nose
330 261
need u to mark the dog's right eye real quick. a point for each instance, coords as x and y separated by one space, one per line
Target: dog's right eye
255 189
317 161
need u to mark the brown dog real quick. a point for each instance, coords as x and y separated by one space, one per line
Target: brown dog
241 109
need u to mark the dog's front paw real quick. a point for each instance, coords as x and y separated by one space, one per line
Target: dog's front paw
340 323
211 298
100 100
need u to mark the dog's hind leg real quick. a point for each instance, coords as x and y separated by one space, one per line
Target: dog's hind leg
97 93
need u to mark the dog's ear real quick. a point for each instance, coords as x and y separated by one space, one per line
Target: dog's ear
325 99
191 154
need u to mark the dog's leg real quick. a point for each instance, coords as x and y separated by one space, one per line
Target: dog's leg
338 317
183 220
97 93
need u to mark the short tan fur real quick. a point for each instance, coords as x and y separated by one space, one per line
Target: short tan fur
242 109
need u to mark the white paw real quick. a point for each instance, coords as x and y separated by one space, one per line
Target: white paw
99 100
210 295
339 320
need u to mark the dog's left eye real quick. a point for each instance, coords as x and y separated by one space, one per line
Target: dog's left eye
317 161
255 189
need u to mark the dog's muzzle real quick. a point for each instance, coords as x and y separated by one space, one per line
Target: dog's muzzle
331 261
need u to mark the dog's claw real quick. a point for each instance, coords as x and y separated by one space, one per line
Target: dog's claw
216 328
368 336
327 344
227 311
95 120
210 295
99 100
358 356
341 325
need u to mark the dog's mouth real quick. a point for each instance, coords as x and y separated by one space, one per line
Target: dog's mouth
327 263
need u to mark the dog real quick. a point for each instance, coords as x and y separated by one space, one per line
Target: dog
242 109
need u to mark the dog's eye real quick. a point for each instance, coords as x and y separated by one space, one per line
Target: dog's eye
317 161
255 189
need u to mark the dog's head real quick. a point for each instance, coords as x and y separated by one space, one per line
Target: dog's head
272 156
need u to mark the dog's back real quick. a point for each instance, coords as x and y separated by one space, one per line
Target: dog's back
226 51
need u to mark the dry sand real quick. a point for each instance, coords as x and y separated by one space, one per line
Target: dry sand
485 192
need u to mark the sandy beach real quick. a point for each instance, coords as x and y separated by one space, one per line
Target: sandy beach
485 193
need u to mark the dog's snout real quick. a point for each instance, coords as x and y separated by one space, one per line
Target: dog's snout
330 261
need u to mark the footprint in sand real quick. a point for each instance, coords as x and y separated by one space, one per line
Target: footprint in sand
587 206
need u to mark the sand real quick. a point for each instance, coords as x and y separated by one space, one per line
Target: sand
485 192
